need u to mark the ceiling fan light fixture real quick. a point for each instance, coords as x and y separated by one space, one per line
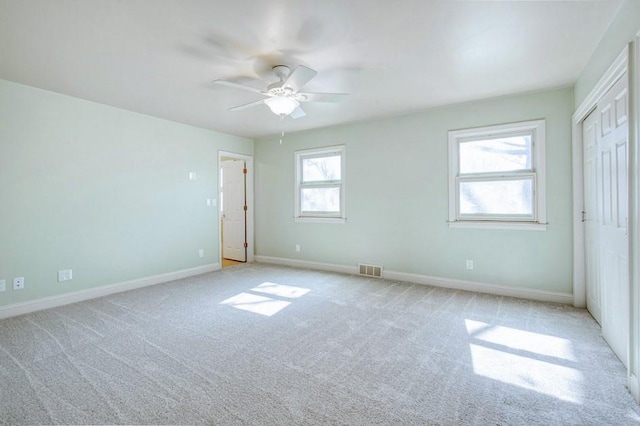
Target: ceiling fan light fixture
281 105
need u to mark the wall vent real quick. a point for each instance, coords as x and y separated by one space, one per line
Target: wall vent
370 270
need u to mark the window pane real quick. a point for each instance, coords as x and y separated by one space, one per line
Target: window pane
496 155
321 169
500 197
320 200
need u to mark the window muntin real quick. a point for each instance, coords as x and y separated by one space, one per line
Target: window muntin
320 183
497 174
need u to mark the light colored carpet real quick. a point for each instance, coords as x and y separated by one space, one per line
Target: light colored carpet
260 344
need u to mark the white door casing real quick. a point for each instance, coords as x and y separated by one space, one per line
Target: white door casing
233 212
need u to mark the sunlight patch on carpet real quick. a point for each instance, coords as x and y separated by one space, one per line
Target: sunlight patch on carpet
281 290
536 343
632 416
529 360
263 305
257 304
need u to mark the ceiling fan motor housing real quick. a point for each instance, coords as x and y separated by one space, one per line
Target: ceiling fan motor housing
278 88
281 71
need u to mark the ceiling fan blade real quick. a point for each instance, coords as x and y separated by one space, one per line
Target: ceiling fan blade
297 113
249 105
299 77
321 97
238 86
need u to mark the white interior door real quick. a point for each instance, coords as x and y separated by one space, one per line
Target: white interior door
590 215
612 196
233 213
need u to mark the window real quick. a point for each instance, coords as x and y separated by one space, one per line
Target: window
320 184
497 176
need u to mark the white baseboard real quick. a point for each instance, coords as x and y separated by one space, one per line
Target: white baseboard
92 293
307 264
478 287
632 384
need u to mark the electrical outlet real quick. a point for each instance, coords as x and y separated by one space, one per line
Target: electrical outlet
18 283
193 176
65 275
3 285
200 253
470 265
297 247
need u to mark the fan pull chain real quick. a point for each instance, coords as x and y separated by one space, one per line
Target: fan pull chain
282 127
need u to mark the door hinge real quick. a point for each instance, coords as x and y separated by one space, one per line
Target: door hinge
246 245
584 216
244 170
245 208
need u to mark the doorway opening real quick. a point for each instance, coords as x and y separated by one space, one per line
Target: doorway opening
235 190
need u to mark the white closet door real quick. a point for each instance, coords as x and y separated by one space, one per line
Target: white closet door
590 216
612 197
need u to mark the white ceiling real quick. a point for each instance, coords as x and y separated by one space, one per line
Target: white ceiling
158 57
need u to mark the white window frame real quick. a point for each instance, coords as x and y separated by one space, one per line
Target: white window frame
536 128
299 156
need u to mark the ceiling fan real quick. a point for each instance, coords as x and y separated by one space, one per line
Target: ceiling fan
284 97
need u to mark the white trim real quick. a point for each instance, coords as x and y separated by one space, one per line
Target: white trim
479 287
503 225
335 220
633 376
613 74
320 152
308 264
632 384
250 203
473 286
537 129
22 308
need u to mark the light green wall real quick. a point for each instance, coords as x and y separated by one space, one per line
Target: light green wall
102 191
622 30
397 198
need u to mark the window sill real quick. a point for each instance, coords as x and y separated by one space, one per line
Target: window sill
520 226
335 220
